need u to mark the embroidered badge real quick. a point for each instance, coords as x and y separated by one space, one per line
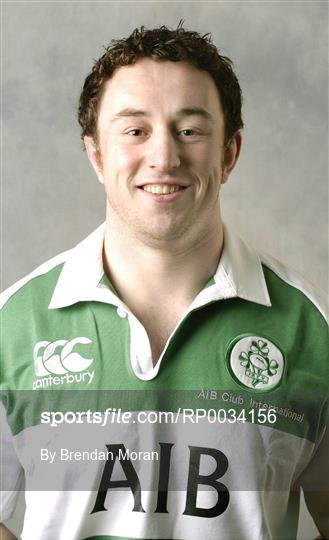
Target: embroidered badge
256 362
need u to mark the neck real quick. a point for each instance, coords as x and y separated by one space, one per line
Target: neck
171 275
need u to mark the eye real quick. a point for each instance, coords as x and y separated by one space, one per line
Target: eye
187 132
135 132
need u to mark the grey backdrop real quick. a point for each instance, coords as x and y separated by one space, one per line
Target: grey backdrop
277 196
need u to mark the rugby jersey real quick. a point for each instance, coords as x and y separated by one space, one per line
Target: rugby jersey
213 442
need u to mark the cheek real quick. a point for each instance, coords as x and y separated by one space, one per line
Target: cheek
122 159
206 159
209 171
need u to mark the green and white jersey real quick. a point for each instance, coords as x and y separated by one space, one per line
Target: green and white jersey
213 442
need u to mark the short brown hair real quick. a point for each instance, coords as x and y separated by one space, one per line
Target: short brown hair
162 44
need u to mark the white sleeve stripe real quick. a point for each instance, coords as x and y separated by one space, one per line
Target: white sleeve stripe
293 278
42 269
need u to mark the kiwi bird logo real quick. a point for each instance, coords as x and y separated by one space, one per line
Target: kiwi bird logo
58 357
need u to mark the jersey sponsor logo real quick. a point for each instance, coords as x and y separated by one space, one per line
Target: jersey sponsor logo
255 362
194 480
57 363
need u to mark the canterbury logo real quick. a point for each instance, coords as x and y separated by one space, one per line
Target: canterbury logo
58 357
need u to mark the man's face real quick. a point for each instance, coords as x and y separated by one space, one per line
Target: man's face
161 150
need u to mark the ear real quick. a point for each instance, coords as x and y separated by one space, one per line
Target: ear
231 155
94 156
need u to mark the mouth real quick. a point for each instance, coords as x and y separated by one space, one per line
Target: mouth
162 189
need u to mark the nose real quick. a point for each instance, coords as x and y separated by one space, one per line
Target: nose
163 152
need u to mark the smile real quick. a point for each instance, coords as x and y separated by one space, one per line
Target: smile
161 189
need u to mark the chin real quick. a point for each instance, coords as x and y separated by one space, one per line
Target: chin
158 237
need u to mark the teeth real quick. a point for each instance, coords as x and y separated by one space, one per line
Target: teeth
161 189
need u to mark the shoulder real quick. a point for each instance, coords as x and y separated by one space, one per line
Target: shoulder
34 292
289 287
41 279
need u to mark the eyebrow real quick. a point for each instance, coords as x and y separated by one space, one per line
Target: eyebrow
186 111
195 111
128 113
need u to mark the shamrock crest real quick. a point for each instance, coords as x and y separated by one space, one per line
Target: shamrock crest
259 367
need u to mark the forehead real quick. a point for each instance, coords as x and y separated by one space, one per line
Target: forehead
160 85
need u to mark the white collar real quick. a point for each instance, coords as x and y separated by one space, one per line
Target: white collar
239 274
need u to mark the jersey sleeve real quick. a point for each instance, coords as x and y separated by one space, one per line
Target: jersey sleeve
315 483
11 471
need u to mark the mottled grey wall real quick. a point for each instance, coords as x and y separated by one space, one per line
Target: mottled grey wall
277 196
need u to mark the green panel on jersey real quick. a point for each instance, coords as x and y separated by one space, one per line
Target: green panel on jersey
197 358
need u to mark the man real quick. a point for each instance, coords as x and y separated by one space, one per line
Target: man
162 310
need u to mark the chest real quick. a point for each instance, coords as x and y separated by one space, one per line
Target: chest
159 327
